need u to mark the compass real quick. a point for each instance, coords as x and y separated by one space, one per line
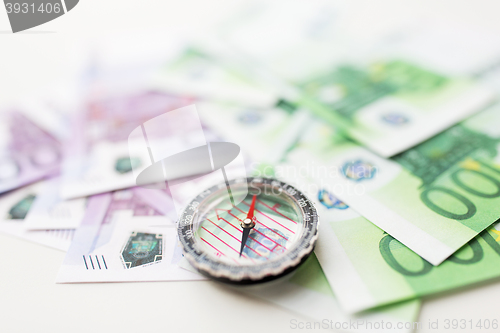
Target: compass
264 236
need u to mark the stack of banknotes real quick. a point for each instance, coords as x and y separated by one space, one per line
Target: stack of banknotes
396 141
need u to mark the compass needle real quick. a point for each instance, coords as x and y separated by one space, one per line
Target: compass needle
246 232
248 224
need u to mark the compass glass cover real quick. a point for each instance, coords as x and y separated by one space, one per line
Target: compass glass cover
218 231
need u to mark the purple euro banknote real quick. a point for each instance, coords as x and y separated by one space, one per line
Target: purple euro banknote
124 238
16 205
97 158
27 152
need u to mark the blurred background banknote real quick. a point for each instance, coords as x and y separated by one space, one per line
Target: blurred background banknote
383 101
27 153
97 160
198 71
14 207
49 211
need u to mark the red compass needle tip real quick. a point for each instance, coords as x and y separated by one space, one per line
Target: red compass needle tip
251 209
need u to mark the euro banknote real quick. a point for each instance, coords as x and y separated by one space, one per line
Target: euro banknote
368 268
264 133
50 108
124 238
14 207
97 158
386 102
392 105
27 153
196 70
49 211
443 40
433 198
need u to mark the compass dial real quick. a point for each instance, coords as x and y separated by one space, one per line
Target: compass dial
264 236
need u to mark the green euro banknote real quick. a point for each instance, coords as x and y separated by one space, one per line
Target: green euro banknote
433 198
368 267
386 102
194 70
265 134
390 106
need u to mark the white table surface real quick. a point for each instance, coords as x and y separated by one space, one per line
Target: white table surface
30 301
